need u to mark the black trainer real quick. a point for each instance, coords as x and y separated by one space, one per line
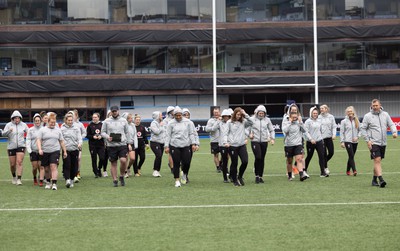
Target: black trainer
382 183
236 183
121 179
240 179
375 183
257 180
303 177
261 180
115 183
226 181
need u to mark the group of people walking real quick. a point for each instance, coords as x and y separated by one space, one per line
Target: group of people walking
121 137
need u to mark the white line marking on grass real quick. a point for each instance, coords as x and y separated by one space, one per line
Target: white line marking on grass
204 206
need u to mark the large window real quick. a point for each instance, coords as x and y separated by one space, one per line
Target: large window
340 56
265 58
382 56
79 61
23 61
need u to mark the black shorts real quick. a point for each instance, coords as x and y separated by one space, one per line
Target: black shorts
214 147
291 151
13 152
377 151
50 158
34 156
114 153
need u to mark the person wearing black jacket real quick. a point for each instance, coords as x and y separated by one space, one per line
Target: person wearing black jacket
143 144
96 144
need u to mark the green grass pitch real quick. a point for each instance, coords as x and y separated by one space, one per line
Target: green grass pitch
336 213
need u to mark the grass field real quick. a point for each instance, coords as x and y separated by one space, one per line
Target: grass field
336 213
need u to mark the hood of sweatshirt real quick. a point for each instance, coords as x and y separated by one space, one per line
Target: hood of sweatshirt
156 115
16 114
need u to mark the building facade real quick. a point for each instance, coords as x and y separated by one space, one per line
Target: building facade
144 55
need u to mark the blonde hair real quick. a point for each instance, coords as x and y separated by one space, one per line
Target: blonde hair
68 115
356 120
326 107
52 115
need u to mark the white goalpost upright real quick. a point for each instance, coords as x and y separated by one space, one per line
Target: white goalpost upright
214 42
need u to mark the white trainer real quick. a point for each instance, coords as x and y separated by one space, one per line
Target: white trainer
158 174
126 176
306 174
154 173
76 180
48 186
177 183
14 180
19 182
184 179
68 183
54 187
72 184
327 171
105 174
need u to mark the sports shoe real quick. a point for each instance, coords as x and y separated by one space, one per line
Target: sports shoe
261 180
348 173
35 182
219 169
306 174
236 183
68 183
375 183
382 183
121 179
303 177
327 171
154 173
184 178
48 186
137 175
126 175
177 183
41 183
115 183
355 173
19 182
226 181
14 180
324 175
240 179
54 186
105 174
158 174
257 180
76 180
71 185
290 178
139 172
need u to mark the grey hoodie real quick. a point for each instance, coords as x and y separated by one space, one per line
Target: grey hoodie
15 132
31 139
328 125
72 137
348 130
212 128
262 129
235 134
179 134
313 127
374 127
294 132
157 131
133 136
117 125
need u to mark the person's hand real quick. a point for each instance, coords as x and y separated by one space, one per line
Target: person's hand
166 150
227 145
80 147
272 142
130 147
342 145
251 136
333 137
11 129
41 152
369 144
313 142
65 155
355 139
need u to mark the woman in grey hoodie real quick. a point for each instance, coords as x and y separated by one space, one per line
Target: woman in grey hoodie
157 140
15 133
33 151
73 143
349 133
235 138
328 127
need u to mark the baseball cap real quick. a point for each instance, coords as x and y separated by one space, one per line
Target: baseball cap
114 108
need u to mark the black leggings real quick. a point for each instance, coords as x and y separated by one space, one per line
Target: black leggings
180 155
139 152
259 151
158 150
351 151
319 146
329 150
235 152
224 160
94 152
70 164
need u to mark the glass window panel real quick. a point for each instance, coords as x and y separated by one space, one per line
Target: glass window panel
79 61
183 59
88 11
149 60
122 60
264 58
382 9
340 56
23 61
382 56
150 11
